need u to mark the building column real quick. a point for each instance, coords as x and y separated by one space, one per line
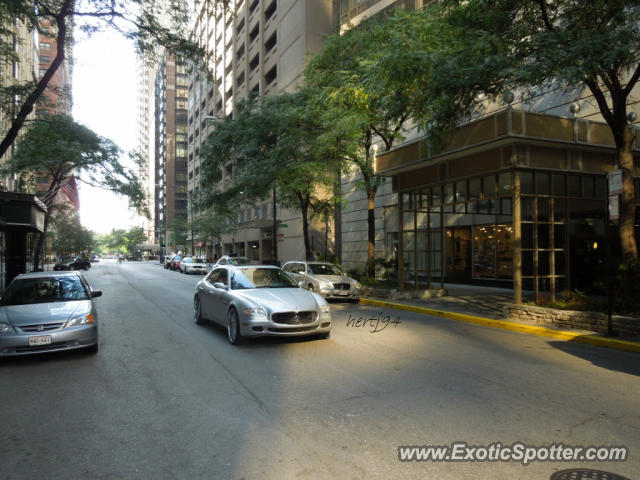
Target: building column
517 240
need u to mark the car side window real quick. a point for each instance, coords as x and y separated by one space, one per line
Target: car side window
213 276
223 277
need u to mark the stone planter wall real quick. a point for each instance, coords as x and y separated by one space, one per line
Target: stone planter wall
597 322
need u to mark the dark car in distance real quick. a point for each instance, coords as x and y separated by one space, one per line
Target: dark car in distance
73 263
175 263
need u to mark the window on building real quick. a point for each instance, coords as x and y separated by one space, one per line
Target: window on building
255 61
271 9
253 34
45 46
270 43
271 75
45 59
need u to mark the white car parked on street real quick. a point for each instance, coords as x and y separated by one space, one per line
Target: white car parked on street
323 278
193 265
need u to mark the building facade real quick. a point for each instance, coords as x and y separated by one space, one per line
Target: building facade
517 199
170 148
258 46
24 67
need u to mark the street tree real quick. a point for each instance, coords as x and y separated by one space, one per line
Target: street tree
359 110
68 235
120 240
212 223
146 23
64 150
273 142
179 229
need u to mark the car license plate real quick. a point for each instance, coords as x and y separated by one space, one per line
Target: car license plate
40 340
343 292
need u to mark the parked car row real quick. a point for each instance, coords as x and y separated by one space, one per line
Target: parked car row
185 264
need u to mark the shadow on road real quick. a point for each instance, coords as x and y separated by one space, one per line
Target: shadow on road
601 357
46 358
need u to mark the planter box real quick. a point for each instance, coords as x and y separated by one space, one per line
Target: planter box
593 321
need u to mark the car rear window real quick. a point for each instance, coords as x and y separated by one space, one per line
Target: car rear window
44 290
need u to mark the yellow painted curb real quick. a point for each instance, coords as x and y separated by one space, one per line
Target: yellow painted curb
516 327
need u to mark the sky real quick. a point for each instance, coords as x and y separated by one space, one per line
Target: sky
104 99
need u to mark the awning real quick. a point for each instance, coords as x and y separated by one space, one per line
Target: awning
22 210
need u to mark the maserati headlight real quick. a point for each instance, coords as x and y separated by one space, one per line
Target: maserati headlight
324 310
86 319
5 328
255 312
357 286
325 286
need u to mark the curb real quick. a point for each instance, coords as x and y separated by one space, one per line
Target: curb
567 335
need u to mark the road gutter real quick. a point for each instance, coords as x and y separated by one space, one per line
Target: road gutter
567 335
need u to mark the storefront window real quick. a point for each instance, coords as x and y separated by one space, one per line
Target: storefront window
504 185
448 193
493 251
504 251
474 190
484 251
489 186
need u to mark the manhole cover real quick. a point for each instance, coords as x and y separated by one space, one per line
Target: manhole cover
585 474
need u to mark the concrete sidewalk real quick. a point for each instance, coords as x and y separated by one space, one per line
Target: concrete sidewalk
484 306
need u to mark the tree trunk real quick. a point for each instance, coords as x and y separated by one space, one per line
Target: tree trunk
304 210
628 244
37 253
371 232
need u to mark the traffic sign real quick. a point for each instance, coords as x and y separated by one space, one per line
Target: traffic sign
615 182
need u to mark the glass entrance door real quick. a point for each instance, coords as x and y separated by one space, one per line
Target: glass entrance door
458 254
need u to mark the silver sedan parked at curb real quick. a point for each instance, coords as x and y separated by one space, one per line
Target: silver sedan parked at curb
47 312
324 278
259 300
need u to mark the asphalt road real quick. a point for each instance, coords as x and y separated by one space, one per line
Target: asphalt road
166 398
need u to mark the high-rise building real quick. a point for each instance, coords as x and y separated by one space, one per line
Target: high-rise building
170 147
146 138
261 47
16 71
57 96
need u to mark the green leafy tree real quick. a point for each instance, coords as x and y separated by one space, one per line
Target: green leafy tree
141 21
212 224
69 236
123 241
134 237
358 108
274 142
179 228
61 148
